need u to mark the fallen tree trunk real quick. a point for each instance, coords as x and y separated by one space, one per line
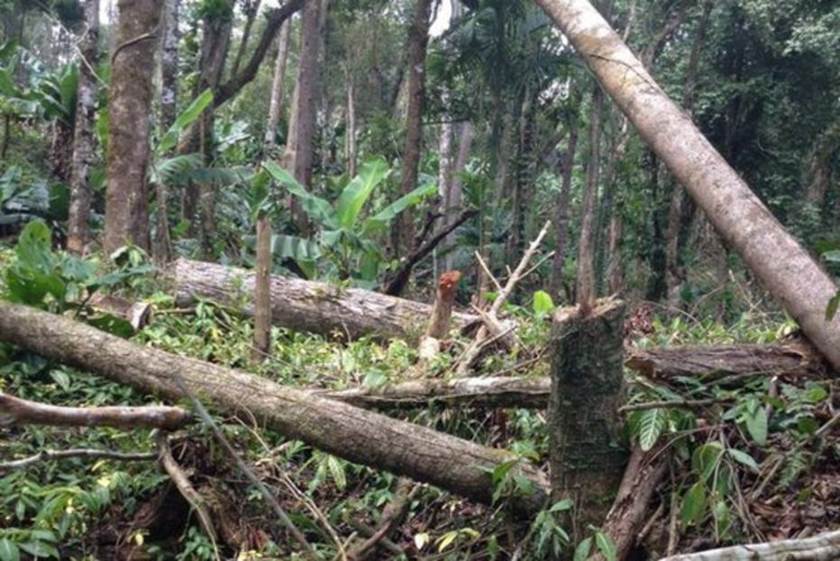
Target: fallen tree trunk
498 391
785 268
304 305
357 435
710 362
823 547
19 411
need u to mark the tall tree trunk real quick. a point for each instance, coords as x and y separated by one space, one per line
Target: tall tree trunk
562 207
352 150
585 284
300 144
262 291
169 65
523 176
251 9
455 191
84 141
402 232
129 107
677 215
162 244
770 252
278 83
818 177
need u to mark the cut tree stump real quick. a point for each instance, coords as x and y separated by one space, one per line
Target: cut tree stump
355 434
586 449
303 305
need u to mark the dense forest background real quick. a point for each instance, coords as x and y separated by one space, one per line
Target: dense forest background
378 145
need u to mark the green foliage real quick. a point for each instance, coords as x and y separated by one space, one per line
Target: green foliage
346 236
58 281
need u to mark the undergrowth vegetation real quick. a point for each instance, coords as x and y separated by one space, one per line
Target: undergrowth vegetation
743 449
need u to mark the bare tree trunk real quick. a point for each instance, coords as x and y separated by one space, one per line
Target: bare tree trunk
818 176
251 9
84 141
562 208
262 291
454 195
169 65
300 144
402 232
351 127
354 434
129 107
585 285
674 272
278 83
739 216
162 245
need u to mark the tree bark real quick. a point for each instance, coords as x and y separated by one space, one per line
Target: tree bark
300 147
402 231
24 412
772 254
275 107
84 141
796 358
352 151
822 547
129 107
586 452
169 65
562 208
262 291
306 305
585 286
356 435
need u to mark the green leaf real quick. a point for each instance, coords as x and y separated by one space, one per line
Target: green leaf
61 378
651 424
185 119
543 304
336 468
706 458
8 550
831 309
446 540
694 504
39 549
832 256
318 209
356 193
582 550
606 546
743 458
384 216
757 426
294 247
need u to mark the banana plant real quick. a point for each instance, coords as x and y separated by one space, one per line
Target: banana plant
347 235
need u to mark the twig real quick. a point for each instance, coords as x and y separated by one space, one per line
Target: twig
486 269
87 453
308 551
140 38
182 483
686 403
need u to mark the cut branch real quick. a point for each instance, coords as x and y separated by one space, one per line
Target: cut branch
354 434
87 453
24 412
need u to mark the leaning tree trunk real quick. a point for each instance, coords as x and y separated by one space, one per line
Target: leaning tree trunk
354 434
418 39
84 141
770 252
129 107
306 305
